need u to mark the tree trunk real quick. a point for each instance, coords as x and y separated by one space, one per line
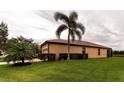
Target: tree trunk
23 60
68 45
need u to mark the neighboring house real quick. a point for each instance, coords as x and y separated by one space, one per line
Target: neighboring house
58 46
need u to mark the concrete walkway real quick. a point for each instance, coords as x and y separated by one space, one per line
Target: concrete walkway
34 60
2 63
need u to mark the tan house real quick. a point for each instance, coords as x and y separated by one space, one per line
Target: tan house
58 46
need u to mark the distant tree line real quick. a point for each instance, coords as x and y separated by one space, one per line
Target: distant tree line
118 52
3 35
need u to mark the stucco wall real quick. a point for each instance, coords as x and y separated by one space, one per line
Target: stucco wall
44 48
56 48
92 52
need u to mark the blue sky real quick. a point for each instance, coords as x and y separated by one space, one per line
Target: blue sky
102 27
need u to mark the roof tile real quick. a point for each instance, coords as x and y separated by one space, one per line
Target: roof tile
76 42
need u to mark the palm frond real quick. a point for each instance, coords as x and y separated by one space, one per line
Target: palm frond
78 34
81 27
72 25
60 29
73 16
60 16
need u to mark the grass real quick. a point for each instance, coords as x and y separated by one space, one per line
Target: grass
91 70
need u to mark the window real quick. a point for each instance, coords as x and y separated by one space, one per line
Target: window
83 50
99 51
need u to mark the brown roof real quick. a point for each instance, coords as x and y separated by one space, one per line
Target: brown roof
76 42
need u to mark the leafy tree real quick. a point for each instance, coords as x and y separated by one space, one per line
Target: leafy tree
74 28
3 35
21 49
36 49
21 38
35 46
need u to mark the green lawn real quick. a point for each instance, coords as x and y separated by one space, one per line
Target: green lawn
104 69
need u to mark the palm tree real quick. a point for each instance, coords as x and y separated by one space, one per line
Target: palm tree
19 50
74 28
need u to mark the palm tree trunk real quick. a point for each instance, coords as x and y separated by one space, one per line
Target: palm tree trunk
68 45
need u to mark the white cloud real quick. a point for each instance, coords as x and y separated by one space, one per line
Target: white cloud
104 27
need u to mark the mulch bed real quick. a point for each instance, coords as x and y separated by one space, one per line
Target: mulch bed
22 64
